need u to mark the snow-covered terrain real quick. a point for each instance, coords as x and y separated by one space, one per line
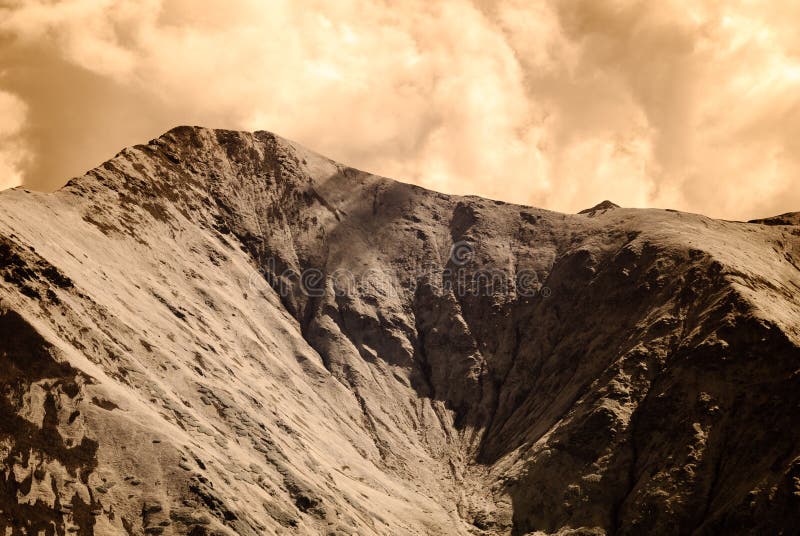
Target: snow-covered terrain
225 333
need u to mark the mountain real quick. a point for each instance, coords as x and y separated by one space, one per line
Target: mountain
225 333
600 207
789 218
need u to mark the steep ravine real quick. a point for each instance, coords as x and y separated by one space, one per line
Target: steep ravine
223 332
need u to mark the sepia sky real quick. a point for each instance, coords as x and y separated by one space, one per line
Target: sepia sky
693 105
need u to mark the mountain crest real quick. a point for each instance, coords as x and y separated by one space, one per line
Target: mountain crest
224 332
600 207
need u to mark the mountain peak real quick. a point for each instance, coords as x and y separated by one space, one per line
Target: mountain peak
224 332
599 207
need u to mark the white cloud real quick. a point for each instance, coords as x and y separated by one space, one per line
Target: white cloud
686 104
12 151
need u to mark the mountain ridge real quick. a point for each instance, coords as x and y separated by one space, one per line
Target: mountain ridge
484 367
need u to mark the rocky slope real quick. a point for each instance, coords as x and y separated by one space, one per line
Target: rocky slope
224 333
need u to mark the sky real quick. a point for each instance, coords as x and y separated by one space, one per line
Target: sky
560 104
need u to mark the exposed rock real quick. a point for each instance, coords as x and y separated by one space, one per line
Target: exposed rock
790 218
224 333
600 207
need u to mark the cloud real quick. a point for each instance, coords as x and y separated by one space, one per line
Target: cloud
700 98
691 105
12 152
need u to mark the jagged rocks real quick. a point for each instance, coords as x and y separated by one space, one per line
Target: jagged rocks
224 333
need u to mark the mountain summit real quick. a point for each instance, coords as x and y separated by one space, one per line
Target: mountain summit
225 333
599 207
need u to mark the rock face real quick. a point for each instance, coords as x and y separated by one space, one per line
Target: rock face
224 333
